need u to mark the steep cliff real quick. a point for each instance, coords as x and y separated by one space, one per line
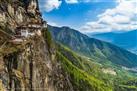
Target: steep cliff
31 64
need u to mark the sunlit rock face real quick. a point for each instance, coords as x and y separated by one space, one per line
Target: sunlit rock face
32 6
30 65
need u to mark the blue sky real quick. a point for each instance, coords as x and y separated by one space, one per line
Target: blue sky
89 15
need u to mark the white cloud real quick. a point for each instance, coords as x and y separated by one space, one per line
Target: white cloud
122 17
49 5
71 1
53 24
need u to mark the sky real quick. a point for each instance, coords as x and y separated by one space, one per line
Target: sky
89 16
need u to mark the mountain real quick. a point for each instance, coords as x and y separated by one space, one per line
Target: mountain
101 51
126 40
30 60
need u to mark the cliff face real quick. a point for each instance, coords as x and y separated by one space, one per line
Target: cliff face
31 65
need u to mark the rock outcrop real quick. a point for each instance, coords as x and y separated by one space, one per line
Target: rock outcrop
31 65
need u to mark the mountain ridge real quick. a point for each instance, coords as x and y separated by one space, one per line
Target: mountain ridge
126 40
92 47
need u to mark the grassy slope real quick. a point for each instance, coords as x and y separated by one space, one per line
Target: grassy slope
85 71
81 79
